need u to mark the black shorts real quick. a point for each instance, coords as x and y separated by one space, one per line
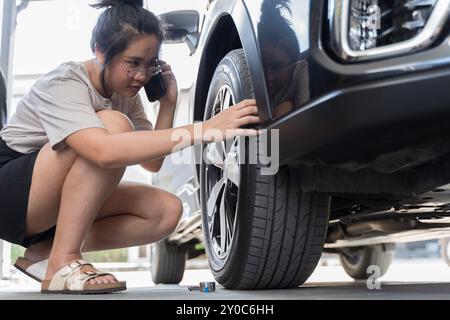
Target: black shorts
16 171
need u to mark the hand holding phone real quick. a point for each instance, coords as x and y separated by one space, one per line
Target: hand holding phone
155 88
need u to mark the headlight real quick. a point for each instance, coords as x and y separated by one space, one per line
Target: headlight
365 18
369 29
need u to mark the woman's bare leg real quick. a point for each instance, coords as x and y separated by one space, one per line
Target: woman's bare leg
85 189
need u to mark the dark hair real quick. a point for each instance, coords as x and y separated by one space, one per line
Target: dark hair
118 25
276 29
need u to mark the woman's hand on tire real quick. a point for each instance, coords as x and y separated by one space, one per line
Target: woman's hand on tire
227 124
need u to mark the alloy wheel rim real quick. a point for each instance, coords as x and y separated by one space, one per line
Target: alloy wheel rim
222 173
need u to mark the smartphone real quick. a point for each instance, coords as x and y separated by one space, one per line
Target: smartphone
155 88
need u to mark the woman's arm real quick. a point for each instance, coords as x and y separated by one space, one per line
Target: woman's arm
131 148
127 148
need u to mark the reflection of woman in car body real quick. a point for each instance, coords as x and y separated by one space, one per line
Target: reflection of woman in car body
286 75
65 150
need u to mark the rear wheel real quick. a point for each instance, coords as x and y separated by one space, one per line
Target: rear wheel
357 260
167 262
260 231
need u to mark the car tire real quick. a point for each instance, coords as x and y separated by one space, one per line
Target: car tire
167 262
273 231
357 260
445 250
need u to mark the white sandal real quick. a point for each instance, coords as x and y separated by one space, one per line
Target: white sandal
73 279
35 270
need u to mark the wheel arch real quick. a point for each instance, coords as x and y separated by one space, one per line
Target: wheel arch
231 29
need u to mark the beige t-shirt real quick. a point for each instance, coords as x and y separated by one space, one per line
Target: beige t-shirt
60 103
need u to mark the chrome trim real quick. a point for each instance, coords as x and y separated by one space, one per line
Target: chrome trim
340 9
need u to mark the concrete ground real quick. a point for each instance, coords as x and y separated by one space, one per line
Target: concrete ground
406 279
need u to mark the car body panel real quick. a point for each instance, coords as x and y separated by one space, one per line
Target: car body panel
317 79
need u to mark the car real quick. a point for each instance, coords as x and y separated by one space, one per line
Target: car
355 95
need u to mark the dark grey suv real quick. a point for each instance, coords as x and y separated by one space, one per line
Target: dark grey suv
359 93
